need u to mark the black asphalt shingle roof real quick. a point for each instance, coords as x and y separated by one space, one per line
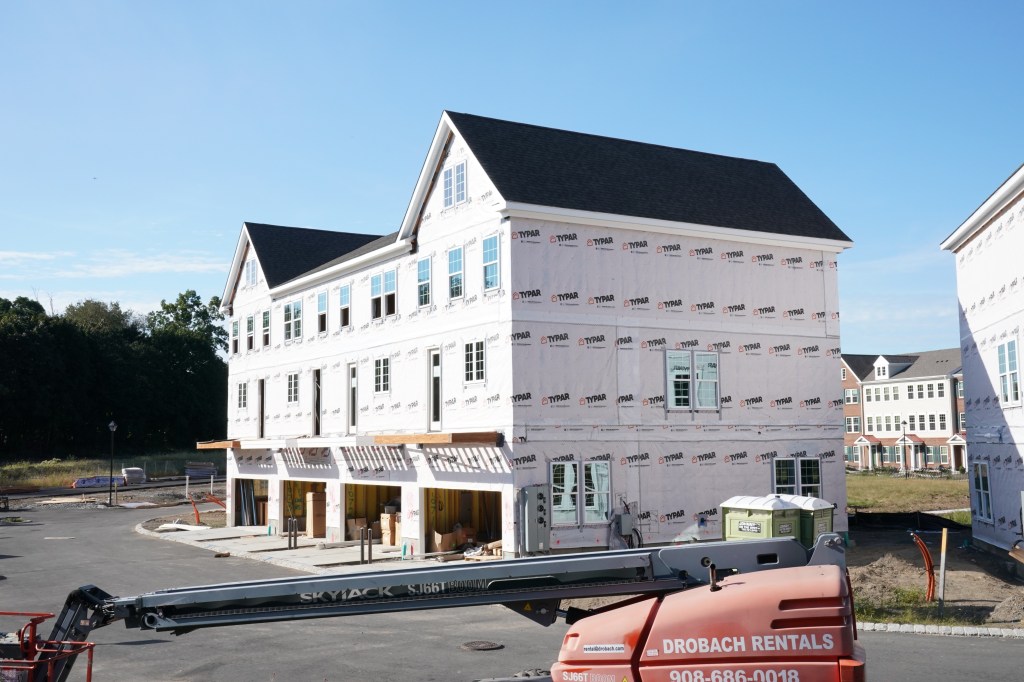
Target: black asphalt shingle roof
863 366
288 252
558 168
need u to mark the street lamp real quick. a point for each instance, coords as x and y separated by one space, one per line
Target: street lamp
110 481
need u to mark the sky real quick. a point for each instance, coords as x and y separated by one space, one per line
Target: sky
136 137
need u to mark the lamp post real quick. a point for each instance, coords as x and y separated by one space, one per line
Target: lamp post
110 481
906 469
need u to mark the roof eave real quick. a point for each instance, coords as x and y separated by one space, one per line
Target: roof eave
227 298
397 248
982 215
523 210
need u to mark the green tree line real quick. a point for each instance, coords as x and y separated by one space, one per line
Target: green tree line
65 377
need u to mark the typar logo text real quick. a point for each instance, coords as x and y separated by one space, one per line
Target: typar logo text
566 298
671 250
740 457
555 400
602 300
558 339
732 256
637 247
702 253
601 243
527 296
764 259
675 459
705 459
596 341
677 516
703 308
527 236
596 400
565 239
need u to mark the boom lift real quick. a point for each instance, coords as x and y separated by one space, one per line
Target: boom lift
742 611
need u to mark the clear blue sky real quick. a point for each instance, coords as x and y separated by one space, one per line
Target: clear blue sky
135 137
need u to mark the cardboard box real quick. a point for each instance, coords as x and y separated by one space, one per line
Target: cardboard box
444 542
352 527
388 522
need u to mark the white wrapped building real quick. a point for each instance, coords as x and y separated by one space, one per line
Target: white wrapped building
565 328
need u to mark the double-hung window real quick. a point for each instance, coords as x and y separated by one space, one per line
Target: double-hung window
243 395
931 390
321 312
941 390
960 389
475 361
293 320
942 422
853 424
423 282
963 421
266 328
800 476
981 496
234 336
382 294
870 425
920 391
455 273
293 388
852 396
491 274
454 182
345 306
250 332
692 380
573 504
381 375
1009 380
250 272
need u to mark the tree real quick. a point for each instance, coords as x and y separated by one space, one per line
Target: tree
93 316
189 316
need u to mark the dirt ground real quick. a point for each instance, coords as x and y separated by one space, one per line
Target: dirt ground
886 567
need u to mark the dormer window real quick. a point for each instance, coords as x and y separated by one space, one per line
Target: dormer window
455 185
880 371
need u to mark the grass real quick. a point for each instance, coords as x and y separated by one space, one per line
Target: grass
869 492
60 473
909 606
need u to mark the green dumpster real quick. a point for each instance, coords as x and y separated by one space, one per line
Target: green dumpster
746 517
815 517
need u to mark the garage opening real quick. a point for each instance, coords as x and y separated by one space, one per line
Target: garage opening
365 503
295 502
250 502
458 517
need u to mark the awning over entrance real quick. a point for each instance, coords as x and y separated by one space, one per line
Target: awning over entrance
868 440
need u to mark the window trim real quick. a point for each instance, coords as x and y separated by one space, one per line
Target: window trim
981 496
798 487
384 303
266 328
695 380
242 393
474 362
381 375
234 337
495 262
851 396
250 332
293 320
345 306
250 272
457 275
321 312
450 193
579 492
1009 350
292 385
423 284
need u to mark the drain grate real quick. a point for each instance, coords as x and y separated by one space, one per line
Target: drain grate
481 645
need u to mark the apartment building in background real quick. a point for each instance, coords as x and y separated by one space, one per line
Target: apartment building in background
990 293
904 412
610 327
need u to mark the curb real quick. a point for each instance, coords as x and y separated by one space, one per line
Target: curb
941 630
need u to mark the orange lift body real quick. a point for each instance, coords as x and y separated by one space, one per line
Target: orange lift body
785 625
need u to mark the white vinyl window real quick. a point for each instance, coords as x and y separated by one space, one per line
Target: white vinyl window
852 396
250 332
960 389
250 272
931 390
423 282
895 392
266 328
677 366
293 320
293 388
842 373
853 424
243 396
491 273
455 273
920 391
321 312
381 375
981 496
382 294
940 390
942 422
573 504
475 361
1009 380
963 421
454 185
234 336
705 371
870 425
345 306
801 476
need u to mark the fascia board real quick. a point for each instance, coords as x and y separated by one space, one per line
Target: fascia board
419 193
984 213
400 247
233 273
520 210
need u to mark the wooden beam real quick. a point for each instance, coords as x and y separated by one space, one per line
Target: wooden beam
218 444
474 438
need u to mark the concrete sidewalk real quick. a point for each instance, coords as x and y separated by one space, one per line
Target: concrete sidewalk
311 556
